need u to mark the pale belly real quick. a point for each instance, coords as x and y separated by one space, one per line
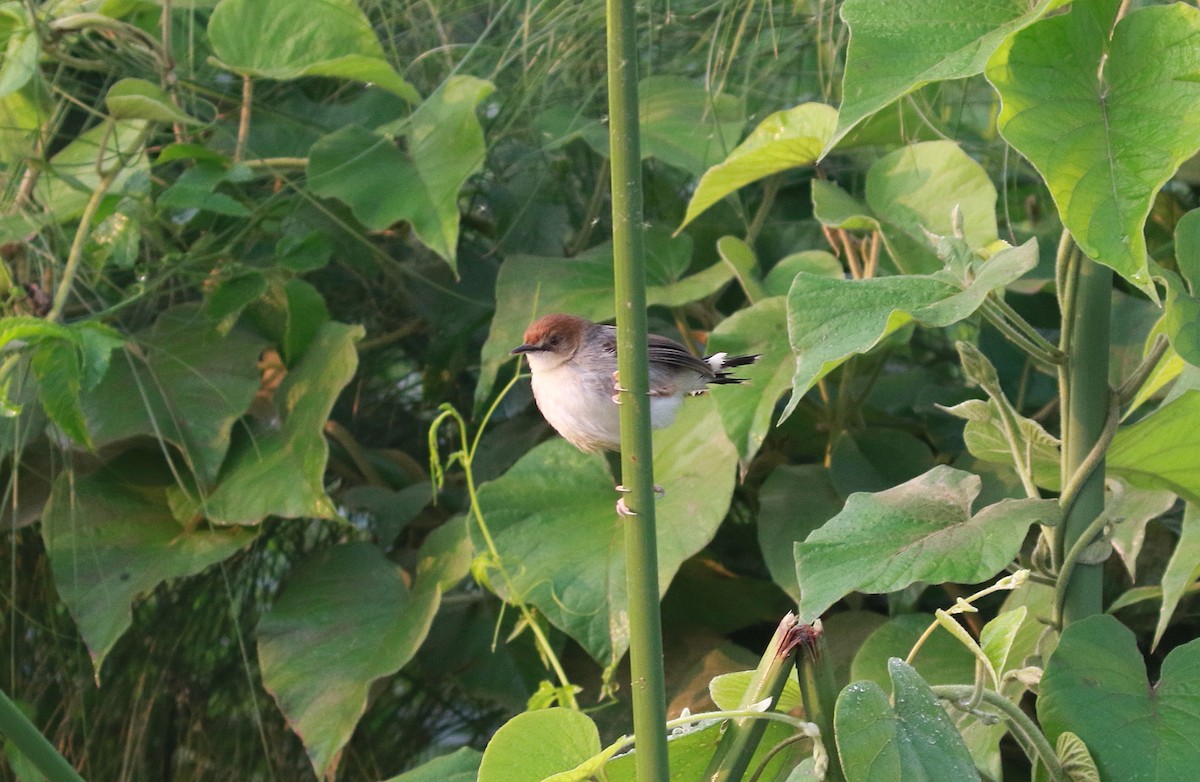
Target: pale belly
586 415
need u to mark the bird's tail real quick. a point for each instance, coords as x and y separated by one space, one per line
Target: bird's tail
721 363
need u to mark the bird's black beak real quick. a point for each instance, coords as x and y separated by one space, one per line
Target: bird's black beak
519 349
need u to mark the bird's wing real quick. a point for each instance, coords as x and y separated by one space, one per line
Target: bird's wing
663 351
670 352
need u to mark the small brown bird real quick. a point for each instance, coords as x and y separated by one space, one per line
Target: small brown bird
574 366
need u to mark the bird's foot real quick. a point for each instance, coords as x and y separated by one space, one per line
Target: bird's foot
617 388
623 509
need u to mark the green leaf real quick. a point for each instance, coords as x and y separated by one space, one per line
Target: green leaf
941 659
1095 687
728 689
1076 760
382 184
1162 451
830 320
998 637
557 502
56 365
1133 508
1105 126
785 140
462 765
280 39
917 188
779 280
747 409
22 48
684 125
1187 248
834 207
72 176
229 297
96 345
922 530
1181 321
185 384
793 501
1182 570
741 258
536 744
140 99
528 286
31 330
195 189
306 312
111 543
985 438
344 620
896 48
279 470
914 739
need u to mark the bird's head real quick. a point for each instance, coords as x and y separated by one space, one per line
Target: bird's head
552 340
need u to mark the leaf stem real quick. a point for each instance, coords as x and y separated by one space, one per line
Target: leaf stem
957 695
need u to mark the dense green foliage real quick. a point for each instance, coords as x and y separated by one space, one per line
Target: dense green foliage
278 503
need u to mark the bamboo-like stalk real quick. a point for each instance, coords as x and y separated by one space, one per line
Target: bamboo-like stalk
18 729
637 468
1088 398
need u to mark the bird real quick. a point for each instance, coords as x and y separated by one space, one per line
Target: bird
573 362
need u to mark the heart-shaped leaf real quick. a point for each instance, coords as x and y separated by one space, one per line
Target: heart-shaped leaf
896 48
785 140
1095 687
280 39
1104 125
831 319
345 618
922 530
553 520
911 737
111 543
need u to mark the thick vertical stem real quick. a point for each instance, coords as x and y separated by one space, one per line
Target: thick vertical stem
1087 407
637 468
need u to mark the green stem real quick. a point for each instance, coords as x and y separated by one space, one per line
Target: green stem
1050 351
1086 414
1040 350
1016 719
33 745
819 691
648 684
75 254
741 739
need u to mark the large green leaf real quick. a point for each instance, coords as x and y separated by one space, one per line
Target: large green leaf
111 543
21 45
897 47
462 765
553 520
1095 687
922 530
529 286
278 469
786 139
281 39
537 744
1162 451
916 189
383 184
831 319
140 99
941 659
746 410
345 619
184 383
1104 124
910 738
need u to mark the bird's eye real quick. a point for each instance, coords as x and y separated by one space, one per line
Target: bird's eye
552 340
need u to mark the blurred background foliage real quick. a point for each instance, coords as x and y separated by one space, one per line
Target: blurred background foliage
224 184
